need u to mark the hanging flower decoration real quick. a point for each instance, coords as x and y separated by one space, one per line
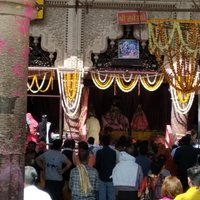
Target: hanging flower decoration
152 85
178 41
35 83
70 88
102 84
126 83
71 84
182 102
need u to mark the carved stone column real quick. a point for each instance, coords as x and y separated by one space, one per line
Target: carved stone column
15 16
73 57
178 123
74 26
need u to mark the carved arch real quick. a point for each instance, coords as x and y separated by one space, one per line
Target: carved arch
99 45
48 44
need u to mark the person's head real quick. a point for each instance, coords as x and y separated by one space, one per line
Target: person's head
119 146
124 140
44 118
105 139
155 147
31 146
158 164
83 152
57 144
143 148
83 156
186 140
82 145
194 176
30 176
69 143
91 140
41 146
171 187
162 159
130 149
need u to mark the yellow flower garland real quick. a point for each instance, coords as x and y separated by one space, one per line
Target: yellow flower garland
102 85
50 83
71 84
124 86
177 40
183 98
151 87
39 87
32 82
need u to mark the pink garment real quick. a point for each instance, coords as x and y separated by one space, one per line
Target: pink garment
33 125
30 137
84 108
31 120
166 198
170 140
139 121
115 120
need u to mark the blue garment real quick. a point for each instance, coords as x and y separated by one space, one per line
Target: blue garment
105 162
106 190
145 163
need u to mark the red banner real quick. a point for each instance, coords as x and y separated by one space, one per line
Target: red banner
131 17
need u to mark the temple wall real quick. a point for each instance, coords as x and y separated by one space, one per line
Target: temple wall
79 33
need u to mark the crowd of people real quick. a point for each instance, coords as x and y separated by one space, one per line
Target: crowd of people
120 170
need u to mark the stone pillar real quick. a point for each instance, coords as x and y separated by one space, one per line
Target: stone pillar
73 58
178 123
15 16
74 26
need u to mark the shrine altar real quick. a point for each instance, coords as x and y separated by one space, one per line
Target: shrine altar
137 135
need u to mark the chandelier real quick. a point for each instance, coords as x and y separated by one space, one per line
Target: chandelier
176 45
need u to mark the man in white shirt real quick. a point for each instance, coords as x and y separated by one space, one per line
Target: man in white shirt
31 192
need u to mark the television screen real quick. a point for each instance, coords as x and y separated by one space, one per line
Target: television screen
128 48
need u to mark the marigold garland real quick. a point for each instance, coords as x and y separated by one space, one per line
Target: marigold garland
71 84
50 83
39 87
70 88
102 84
181 105
183 98
151 86
179 42
124 85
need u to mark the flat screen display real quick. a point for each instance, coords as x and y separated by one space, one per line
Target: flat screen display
128 49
